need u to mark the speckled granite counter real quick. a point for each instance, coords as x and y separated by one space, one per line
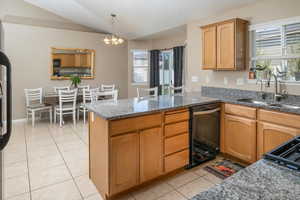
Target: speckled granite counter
133 107
262 180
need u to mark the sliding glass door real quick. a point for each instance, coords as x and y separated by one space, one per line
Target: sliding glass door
166 71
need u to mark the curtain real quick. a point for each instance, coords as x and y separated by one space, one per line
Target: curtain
154 69
178 65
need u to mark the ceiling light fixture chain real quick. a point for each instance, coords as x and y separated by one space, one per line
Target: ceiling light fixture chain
113 39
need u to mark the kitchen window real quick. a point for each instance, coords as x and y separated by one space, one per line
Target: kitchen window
140 66
277 46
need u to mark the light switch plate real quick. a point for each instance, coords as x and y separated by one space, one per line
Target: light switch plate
195 79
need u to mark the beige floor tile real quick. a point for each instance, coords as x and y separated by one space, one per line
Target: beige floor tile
212 178
71 146
174 195
75 155
42 178
79 167
45 162
153 191
16 186
197 186
43 151
15 169
94 197
64 138
10 158
20 197
62 191
85 185
200 171
182 179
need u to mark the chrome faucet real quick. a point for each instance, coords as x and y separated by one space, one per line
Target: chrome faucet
277 95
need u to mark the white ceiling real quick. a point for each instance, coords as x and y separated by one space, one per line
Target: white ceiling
136 18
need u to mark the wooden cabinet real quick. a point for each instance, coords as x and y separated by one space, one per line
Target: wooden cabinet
240 137
151 154
209 44
124 162
272 135
224 45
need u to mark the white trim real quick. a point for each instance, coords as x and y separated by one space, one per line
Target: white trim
275 23
275 57
19 120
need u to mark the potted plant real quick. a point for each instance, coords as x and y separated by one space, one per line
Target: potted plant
75 81
297 71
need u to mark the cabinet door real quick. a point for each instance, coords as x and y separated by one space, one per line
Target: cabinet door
240 138
86 60
124 162
226 46
209 46
151 153
271 135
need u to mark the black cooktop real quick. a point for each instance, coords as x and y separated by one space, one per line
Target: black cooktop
287 154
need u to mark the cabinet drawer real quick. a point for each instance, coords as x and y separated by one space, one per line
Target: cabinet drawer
176 160
134 123
239 110
176 116
176 128
284 119
176 143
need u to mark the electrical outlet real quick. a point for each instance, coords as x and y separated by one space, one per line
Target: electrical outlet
240 81
225 81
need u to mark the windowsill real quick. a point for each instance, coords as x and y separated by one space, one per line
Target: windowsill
253 81
139 84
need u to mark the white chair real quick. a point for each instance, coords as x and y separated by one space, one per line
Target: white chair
113 95
176 90
57 89
147 92
87 98
34 104
105 88
82 87
66 106
94 94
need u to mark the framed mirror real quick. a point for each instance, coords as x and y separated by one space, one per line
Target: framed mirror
72 62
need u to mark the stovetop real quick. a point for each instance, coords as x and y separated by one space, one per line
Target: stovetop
288 154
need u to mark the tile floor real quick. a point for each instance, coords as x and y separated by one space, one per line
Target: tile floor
51 163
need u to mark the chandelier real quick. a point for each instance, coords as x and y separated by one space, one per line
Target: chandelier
113 39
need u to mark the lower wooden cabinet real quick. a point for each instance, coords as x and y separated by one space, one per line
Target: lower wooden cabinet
271 135
124 162
240 138
151 152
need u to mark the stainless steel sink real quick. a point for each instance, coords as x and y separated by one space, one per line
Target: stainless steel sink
253 101
277 105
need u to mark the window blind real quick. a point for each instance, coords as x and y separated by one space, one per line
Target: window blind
268 42
292 38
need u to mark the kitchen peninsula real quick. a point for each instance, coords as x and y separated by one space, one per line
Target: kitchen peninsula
133 141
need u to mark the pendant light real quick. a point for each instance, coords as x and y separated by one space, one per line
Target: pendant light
113 39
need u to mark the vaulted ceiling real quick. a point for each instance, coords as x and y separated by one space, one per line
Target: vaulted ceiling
136 18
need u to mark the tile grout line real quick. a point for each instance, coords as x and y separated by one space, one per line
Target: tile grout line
27 159
82 197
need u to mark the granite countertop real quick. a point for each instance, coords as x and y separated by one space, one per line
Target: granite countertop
263 180
110 110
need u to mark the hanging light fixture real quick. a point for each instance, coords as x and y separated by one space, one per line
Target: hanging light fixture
113 39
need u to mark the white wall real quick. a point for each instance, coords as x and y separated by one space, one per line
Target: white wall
259 12
29 49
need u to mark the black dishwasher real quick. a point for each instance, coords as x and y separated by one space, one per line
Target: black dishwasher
204 133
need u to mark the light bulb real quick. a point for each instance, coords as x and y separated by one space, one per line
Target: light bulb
120 40
106 40
114 39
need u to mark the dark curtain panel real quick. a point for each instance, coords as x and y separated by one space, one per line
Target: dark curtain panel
178 65
154 69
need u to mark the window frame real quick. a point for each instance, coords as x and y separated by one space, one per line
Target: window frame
133 67
284 57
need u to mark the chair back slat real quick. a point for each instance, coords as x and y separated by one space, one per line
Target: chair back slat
105 88
33 96
65 88
110 94
94 94
83 87
67 97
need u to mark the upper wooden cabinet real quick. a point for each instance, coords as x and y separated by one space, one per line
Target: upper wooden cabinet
224 45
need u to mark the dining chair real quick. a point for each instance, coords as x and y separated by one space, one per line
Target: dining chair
56 89
66 105
94 94
34 104
109 95
87 98
107 87
176 90
82 87
150 92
